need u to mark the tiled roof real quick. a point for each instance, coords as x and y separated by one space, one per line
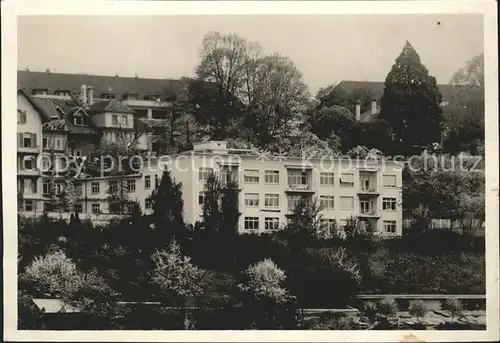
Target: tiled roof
113 106
55 125
447 91
41 111
29 80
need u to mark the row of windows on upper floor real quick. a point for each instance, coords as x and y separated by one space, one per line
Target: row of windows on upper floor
327 202
272 177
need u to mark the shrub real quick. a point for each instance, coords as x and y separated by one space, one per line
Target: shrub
418 309
454 306
370 310
387 307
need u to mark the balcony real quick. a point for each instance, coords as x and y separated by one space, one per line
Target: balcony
368 190
372 213
299 188
29 172
28 150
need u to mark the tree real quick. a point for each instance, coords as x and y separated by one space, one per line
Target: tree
411 103
55 275
310 146
276 98
212 216
178 279
118 199
337 120
224 62
304 223
454 306
464 115
418 309
265 293
168 206
472 74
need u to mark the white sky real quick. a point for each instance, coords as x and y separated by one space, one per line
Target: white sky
325 48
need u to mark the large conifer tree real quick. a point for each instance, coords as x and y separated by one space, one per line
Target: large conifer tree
167 204
411 103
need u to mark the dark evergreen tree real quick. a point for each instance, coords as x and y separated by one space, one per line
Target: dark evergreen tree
167 204
212 216
229 209
411 103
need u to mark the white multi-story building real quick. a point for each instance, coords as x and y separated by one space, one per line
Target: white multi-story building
270 186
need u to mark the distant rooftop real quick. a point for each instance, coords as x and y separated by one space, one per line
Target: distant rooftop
53 82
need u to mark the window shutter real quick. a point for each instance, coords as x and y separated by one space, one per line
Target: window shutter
51 143
33 140
20 140
35 183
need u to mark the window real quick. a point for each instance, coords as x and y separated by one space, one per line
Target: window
271 200
28 205
147 182
114 119
78 120
131 186
58 143
367 207
78 189
326 179
347 203
45 164
389 181
45 143
347 180
28 163
45 188
130 206
252 199
272 177
271 223
29 186
328 225
326 201
389 204
21 117
251 176
201 198
96 208
293 200
390 226
27 140
125 121
251 223
204 173
297 178
148 204
94 186
58 188
113 187
77 153
78 208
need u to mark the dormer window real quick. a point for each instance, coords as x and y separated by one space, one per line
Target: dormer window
108 96
62 92
152 97
78 120
39 91
130 96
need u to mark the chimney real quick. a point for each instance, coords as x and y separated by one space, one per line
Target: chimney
358 110
374 107
90 99
83 94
